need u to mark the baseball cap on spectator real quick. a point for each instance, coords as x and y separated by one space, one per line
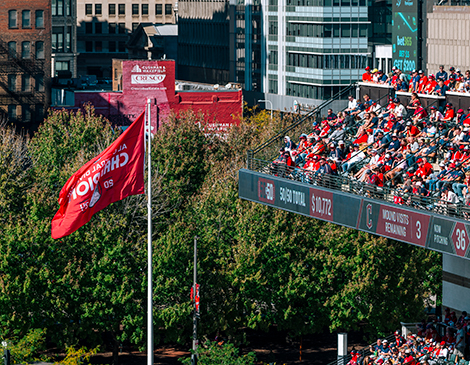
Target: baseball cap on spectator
374 70
394 135
414 71
442 164
407 351
303 135
355 145
451 68
431 76
380 71
433 107
448 105
460 111
443 343
420 160
387 155
458 70
367 68
394 68
441 125
341 142
420 72
408 124
396 100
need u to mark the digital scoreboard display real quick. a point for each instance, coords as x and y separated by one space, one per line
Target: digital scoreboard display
405 25
417 227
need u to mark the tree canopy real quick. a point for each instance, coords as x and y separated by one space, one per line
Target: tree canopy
258 266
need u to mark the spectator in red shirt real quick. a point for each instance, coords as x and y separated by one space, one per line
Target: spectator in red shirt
423 80
449 113
431 85
367 76
424 168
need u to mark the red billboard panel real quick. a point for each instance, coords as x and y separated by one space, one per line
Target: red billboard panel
403 225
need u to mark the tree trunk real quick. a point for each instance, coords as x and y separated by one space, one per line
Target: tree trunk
115 350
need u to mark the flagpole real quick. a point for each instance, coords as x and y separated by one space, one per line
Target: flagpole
149 243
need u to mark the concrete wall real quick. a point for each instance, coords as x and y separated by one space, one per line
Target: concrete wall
448 38
455 283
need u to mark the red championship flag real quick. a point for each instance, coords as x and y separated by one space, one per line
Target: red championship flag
114 174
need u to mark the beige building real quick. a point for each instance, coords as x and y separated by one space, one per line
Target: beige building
104 28
448 41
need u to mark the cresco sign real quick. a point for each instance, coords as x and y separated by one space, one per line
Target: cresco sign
420 228
147 79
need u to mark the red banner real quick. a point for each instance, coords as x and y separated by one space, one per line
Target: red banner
113 175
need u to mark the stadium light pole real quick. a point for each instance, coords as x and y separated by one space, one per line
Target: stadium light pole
270 103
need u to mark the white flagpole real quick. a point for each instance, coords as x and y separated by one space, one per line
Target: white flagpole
149 243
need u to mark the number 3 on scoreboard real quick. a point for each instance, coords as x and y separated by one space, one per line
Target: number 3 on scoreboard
418 229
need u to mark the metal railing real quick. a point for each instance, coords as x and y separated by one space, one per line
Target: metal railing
298 125
365 351
349 185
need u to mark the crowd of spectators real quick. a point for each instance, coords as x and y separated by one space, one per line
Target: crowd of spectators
418 82
417 153
427 347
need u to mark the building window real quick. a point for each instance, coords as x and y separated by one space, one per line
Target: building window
145 9
58 7
98 28
25 83
158 9
135 9
26 111
26 19
112 46
89 9
12 83
112 28
58 39
39 18
122 9
12 48
61 66
88 28
67 7
122 46
112 9
26 50
12 20
122 28
68 39
39 112
98 9
88 46
40 50
98 46
12 112
168 9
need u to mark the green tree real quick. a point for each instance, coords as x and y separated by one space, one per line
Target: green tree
211 353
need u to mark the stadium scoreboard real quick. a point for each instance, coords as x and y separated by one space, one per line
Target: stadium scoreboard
421 228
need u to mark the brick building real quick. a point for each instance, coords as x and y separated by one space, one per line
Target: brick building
25 64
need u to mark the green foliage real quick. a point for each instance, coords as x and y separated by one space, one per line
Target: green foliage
27 349
258 266
78 356
211 353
